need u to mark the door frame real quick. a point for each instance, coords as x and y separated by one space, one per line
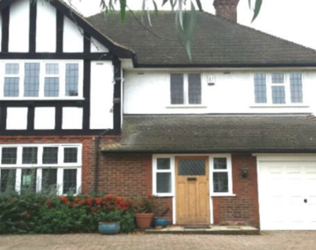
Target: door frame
172 194
207 175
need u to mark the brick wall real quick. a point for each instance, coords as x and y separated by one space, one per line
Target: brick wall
244 208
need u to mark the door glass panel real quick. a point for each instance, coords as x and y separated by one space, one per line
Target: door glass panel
192 167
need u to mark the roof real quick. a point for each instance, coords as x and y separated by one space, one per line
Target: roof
215 43
216 134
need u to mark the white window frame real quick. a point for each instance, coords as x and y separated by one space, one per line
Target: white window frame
211 170
186 91
62 79
286 84
228 171
60 166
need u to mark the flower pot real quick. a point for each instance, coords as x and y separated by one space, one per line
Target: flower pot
143 220
161 222
109 228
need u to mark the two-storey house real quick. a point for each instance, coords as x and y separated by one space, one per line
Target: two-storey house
94 105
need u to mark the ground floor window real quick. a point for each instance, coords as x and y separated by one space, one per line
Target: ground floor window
41 168
220 173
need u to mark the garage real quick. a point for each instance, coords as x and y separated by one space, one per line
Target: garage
287 192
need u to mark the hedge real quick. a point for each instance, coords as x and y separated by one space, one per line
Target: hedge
38 213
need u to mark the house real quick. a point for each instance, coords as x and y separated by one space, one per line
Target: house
94 105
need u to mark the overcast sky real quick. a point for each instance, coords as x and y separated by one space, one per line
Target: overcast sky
293 20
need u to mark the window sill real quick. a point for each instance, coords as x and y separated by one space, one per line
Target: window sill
164 195
186 106
279 106
223 195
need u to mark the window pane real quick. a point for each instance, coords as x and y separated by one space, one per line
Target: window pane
72 79
296 88
177 89
164 183
70 181
31 81
51 86
70 155
28 180
220 182
192 167
11 86
7 180
49 180
163 163
29 155
278 78
12 68
9 155
50 155
195 89
260 88
278 94
52 68
220 163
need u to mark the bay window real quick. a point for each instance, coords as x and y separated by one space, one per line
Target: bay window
41 79
44 167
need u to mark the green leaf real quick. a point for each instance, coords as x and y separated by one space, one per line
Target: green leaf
257 9
164 2
198 2
156 7
123 10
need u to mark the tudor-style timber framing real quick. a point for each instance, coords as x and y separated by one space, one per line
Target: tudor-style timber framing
87 57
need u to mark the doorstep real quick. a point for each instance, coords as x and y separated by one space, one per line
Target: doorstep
219 230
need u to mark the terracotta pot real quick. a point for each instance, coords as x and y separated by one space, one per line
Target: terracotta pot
143 220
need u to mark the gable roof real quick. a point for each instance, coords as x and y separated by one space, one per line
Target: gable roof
116 48
216 43
216 134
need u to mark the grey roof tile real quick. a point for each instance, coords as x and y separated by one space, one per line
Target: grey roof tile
216 133
216 42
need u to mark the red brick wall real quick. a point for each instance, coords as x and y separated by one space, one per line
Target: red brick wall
244 208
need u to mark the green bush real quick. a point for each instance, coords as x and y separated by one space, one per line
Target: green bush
38 213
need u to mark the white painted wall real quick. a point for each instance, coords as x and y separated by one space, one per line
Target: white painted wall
72 118
16 118
102 91
44 118
45 27
19 26
73 39
97 47
148 92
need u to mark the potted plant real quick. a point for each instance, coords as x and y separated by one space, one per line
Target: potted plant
109 222
143 207
162 221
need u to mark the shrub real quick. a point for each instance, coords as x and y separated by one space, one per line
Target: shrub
38 213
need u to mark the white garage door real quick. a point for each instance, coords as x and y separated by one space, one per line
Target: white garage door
287 195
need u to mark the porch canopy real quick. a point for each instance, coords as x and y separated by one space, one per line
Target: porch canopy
245 133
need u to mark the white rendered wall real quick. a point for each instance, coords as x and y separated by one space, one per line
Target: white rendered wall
16 118
72 118
44 118
102 92
149 93
19 26
97 47
73 38
45 27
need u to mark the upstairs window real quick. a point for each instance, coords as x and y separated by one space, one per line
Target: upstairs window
42 80
186 89
278 88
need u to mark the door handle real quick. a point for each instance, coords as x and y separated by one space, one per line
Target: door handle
305 200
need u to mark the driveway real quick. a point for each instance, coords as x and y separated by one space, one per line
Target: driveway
267 241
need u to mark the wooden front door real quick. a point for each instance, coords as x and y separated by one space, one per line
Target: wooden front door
192 190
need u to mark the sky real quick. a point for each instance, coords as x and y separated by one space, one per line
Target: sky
293 20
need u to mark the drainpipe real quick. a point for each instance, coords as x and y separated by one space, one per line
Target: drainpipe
97 157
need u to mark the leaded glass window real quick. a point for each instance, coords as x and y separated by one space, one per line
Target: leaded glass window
32 79
296 87
70 181
260 88
72 79
177 89
195 89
